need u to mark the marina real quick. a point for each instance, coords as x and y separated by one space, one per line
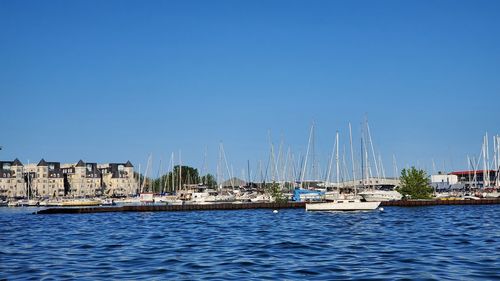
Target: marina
249 140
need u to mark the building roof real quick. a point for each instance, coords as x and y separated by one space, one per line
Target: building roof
6 173
80 163
234 182
42 163
114 170
458 173
17 163
129 165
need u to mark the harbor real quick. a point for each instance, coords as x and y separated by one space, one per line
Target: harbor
249 140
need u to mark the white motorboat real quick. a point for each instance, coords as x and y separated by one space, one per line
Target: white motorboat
80 202
129 201
380 195
260 198
108 202
210 196
493 194
33 203
343 205
470 197
12 204
18 203
167 199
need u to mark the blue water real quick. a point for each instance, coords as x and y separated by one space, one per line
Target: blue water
442 242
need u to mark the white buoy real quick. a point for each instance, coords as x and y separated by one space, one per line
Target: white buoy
381 209
275 211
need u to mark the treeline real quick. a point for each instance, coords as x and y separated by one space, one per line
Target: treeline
173 180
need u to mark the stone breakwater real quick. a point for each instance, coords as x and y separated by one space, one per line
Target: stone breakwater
247 206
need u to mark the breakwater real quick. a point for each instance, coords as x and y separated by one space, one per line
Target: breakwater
174 208
247 206
433 202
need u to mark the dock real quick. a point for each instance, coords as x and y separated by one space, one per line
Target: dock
249 206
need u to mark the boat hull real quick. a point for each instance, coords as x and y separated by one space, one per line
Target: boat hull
78 203
344 206
381 196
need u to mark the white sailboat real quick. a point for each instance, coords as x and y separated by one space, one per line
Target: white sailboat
343 205
353 204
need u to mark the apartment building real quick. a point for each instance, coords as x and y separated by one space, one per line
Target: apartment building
53 179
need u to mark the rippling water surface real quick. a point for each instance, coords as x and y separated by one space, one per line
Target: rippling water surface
442 242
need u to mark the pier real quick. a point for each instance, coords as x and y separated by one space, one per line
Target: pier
249 206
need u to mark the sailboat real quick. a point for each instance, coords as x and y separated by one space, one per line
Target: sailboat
343 205
353 204
379 195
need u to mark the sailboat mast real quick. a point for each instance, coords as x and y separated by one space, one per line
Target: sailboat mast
273 164
352 155
28 189
495 158
362 162
373 150
205 168
146 174
227 166
344 170
487 144
497 165
279 161
395 166
307 155
330 163
313 158
484 162
180 171
139 179
158 176
337 158
381 165
261 174
168 175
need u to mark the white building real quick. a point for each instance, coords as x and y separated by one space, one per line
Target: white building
448 179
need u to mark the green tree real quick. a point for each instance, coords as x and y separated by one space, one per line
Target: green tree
170 181
414 184
274 190
209 180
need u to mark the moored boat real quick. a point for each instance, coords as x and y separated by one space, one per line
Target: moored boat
380 195
493 194
343 205
80 203
108 202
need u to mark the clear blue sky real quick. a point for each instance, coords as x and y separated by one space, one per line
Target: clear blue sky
110 81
